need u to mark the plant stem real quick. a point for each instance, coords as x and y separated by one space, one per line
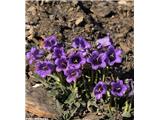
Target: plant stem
106 71
74 87
126 106
44 83
109 108
92 76
60 76
55 77
96 79
129 108
103 75
116 104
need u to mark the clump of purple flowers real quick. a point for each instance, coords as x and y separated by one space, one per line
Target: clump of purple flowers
71 63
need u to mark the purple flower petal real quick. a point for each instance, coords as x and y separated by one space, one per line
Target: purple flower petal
118 58
70 79
99 90
34 54
120 94
113 56
58 69
99 96
49 42
95 67
118 88
72 74
44 68
76 59
97 60
58 52
81 43
104 42
61 64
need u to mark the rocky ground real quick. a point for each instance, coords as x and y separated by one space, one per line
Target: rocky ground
91 20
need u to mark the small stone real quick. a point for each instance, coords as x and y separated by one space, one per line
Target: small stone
49 56
30 37
123 2
38 103
31 30
51 17
101 11
70 10
88 28
79 20
32 9
28 27
75 2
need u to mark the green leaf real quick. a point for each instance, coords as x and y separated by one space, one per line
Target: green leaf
36 76
77 104
91 102
52 93
70 98
42 80
87 76
108 94
126 114
55 77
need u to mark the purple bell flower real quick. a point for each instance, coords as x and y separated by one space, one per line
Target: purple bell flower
113 56
81 43
76 59
99 90
50 42
118 88
44 68
61 64
104 42
58 52
97 60
34 54
72 74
